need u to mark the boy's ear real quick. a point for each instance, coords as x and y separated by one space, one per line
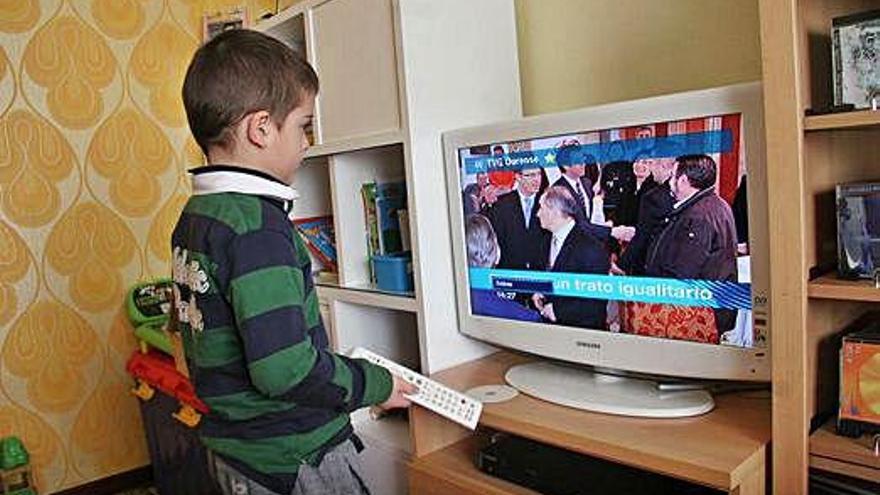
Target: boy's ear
258 128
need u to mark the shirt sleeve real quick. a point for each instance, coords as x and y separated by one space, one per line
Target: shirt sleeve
275 313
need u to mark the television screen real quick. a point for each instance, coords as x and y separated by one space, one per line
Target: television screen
639 230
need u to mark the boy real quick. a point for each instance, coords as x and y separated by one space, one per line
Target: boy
245 303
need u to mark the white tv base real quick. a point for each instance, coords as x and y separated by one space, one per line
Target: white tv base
606 393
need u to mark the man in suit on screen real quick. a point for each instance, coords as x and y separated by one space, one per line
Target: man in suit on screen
571 250
514 219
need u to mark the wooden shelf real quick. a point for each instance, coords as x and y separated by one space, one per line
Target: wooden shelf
847 456
455 466
830 287
848 120
724 449
355 144
369 295
806 158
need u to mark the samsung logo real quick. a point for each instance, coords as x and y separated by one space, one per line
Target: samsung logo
588 345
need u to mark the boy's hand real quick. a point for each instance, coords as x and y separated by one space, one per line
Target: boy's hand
398 389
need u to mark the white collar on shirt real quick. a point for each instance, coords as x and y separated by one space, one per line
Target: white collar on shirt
215 179
226 178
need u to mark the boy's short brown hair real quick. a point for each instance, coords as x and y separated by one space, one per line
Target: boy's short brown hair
237 73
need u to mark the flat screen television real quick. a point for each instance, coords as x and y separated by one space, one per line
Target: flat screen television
628 237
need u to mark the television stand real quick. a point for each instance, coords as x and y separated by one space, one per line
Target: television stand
582 388
725 449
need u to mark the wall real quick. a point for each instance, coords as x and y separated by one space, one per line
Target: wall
93 152
575 53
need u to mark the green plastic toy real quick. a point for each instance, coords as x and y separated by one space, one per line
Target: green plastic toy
12 453
154 335
15 471
149 302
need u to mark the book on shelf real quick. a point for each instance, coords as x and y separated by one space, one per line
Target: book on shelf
368 197
390 201
854 56
320 239
384 207
403 219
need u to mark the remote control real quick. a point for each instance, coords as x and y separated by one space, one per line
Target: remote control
432 395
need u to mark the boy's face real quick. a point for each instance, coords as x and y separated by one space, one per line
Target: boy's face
291 144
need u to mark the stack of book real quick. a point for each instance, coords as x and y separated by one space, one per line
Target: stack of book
320 238
386 218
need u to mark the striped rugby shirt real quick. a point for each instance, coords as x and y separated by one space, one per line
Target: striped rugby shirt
257 351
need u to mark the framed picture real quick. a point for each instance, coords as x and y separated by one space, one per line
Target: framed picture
856 57
216 23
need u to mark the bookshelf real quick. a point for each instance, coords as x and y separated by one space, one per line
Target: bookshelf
368 295
807 156
393 77
831 287
455 467
349 171
853 457
725 449
357 143
386 96
848 120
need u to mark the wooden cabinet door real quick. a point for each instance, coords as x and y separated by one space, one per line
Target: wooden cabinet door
357 66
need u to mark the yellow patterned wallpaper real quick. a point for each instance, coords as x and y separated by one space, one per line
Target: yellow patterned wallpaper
93 153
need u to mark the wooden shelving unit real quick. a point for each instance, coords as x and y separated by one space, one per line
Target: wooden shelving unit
724 449
849 120
831 287
454 465
370 296
807 157
356 143
385 97
849 456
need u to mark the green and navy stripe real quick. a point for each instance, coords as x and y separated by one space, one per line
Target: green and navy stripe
261 362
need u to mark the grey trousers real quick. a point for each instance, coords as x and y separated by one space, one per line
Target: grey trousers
340 473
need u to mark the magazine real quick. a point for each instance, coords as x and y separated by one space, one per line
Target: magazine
320 238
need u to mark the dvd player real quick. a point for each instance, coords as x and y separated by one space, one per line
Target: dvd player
554 471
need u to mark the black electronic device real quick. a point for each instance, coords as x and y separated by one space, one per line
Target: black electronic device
554 471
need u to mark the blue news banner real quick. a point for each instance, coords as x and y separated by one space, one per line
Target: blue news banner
706 293
706 142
